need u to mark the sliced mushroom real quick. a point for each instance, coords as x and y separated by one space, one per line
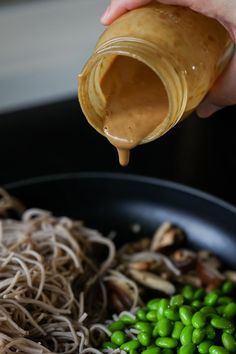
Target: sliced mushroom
142 244
152 281
166 275
208 257
230 275
209 275
190 280
184 259
162 262
166 235
117 303
121 295
142 265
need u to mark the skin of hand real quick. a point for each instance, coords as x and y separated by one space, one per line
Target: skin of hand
223 93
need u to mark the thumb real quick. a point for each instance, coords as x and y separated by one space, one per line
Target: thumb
119 7
222 94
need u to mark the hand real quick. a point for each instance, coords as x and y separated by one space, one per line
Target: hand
223 92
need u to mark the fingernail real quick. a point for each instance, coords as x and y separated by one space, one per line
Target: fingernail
106 15
206 109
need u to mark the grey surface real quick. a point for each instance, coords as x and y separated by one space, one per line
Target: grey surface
44 45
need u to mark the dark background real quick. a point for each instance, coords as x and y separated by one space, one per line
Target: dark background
56 138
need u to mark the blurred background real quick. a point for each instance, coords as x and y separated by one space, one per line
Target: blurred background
44 45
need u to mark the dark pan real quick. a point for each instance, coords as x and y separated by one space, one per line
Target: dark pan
118 201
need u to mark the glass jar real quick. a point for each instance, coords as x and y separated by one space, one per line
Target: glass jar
186 50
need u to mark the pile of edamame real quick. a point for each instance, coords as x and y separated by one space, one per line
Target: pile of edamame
190 322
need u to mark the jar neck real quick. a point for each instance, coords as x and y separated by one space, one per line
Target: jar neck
171 76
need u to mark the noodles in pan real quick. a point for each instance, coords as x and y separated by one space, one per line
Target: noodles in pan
59 279
42 258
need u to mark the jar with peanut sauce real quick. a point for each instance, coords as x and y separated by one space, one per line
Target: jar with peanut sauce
149 70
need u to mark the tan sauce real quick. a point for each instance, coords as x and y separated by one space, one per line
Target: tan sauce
136 103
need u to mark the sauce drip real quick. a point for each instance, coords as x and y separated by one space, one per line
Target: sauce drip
136 103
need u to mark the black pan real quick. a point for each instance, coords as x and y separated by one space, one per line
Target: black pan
117 202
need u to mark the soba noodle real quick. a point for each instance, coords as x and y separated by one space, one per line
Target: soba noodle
41 259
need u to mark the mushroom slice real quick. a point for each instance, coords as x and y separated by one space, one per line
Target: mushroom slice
152 281
184 259
231 275
122 296
143 265
209 258
190 279
143 244
166 235
209 275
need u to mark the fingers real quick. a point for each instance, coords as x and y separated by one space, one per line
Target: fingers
119 7
222 94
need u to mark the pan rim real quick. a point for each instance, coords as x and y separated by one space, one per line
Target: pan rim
125 177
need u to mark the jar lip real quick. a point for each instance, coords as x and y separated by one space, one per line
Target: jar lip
110 44
146 52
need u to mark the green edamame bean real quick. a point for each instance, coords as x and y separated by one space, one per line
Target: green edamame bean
215 349
133 351
198 335
211 298
143 327
141 314
177 300
116 326
230 310
155 350
172 314
199 320
204 347
197 304
199 294
228 287
155 332
127 319
188 292
213 315
178 327
152 316
109 345
185 315
210 332
207 310
187 349
144 338
221 323
153 304
166 342
132 344
224 300
220 309
186 335
118 337
230 330
167 351
229 342
163 328
162 306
